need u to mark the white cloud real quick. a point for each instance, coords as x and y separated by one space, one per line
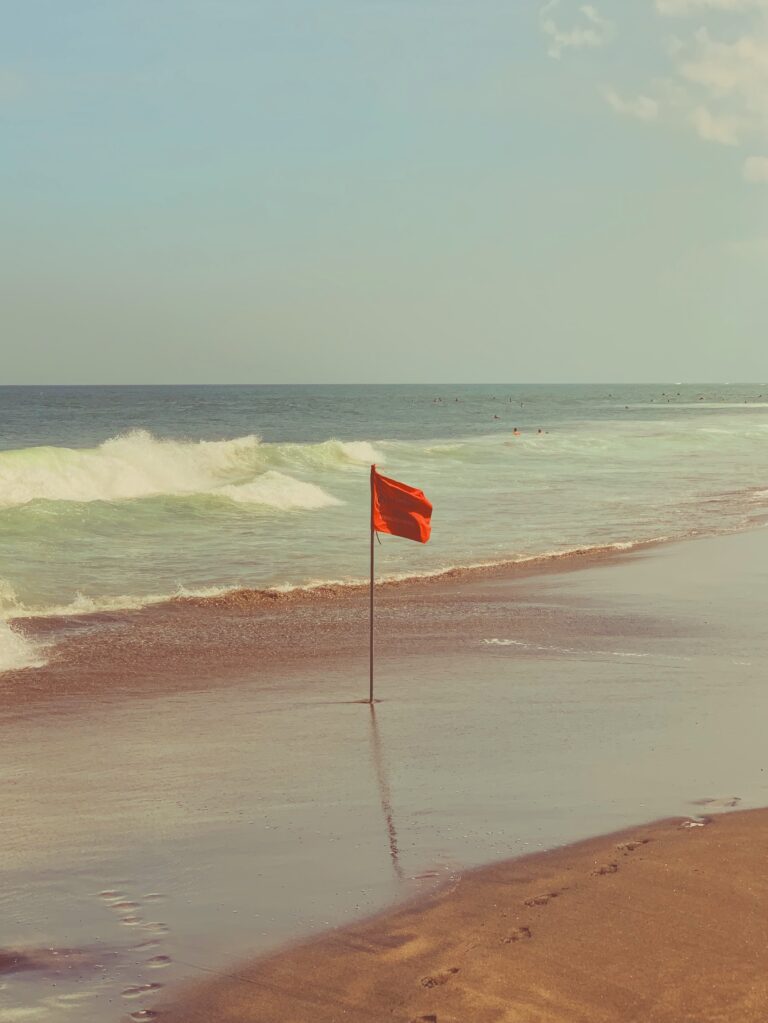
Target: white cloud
642 107
590 31
683 8
756 170
724 130
721 84
716 85
734 71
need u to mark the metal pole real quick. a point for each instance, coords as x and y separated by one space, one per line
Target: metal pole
370 693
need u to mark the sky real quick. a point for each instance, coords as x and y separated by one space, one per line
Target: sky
318 191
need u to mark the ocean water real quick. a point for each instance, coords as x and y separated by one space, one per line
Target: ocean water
122 497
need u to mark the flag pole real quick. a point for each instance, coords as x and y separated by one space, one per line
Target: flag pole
370 638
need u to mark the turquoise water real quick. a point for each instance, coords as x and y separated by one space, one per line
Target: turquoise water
120 497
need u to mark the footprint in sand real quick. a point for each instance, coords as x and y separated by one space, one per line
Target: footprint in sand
543 899
117 900
437 979
519 934
628 847
137 990
606 868
158 962
156 927
720 803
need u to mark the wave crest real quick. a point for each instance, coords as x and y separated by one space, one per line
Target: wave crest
137 465
276 490
329 454
16 651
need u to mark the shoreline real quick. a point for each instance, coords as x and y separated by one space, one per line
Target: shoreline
530 566
613 928
76 648
214 769
213 596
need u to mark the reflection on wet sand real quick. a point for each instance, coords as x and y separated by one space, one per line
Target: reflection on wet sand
377 756
257 806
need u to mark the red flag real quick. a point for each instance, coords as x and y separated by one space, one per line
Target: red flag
399 509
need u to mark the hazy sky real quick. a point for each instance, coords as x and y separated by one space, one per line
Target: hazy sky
272 191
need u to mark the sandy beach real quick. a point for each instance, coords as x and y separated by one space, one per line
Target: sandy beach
454 312
665 923
211 789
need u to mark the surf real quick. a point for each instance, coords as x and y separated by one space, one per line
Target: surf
16 651
138 465
169 508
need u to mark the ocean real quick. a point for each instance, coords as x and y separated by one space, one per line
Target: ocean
191 781
120 497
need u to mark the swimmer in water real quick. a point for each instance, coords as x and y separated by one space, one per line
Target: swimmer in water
515 432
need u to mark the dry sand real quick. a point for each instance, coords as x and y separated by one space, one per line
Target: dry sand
662 924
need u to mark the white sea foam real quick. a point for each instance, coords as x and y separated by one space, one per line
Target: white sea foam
81 604
328 454
360 451
11 607
575 651
16 651
276 490
138 465
559 649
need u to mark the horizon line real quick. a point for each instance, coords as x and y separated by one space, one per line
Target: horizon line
425 383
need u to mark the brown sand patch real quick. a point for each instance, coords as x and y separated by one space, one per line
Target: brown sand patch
679 934
52 961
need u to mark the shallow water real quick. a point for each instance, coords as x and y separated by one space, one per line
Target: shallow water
240 818
119 497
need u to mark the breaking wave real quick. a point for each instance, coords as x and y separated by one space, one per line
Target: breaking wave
275 490
134 520
137 465
16 651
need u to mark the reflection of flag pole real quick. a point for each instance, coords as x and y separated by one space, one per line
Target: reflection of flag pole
402 511
385 796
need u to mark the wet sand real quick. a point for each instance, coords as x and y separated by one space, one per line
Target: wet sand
665 923
199 643
194 784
